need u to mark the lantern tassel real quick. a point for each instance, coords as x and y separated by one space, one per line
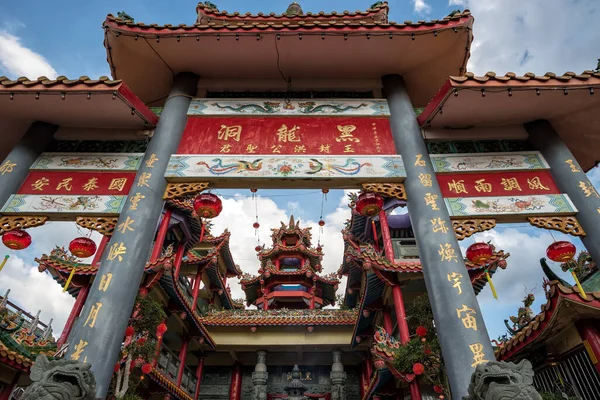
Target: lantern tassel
578 284
69 280
4 262
201 230
375 235
489 279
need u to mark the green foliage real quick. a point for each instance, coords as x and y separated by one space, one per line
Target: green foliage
149 314
339 300
131 396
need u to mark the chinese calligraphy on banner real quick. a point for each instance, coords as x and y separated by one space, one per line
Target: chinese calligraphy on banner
497 184
324 136
53 182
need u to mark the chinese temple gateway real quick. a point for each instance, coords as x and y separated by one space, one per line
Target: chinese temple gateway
340 100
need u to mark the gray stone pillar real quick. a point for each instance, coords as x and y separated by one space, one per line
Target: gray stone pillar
338 377
260 376
15 168
461 330
101 326
570 179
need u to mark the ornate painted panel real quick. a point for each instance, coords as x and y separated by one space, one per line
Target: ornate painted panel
510 206
288 167
88 161
64 204
488 162
361 107
497 184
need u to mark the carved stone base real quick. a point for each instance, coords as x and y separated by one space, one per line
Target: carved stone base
60 380
499 380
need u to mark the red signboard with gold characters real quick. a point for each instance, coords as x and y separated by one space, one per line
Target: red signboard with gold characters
277 135
71 182
497 184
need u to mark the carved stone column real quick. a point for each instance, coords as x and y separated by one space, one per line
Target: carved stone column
338 377
260 376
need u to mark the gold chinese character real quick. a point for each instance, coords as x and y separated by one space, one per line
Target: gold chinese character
455 278
285 134
117 250
588 189
482 186
133 201
468 320
143 180
447 252
7 167
226 148
431 200
510 184
572 165
150 161
40 183
105 282
457 186
346 134
478 356
91 319
126 225
78 350
325 148
425 180
234 132
300 149
91 184
65 184
598 209
439 225
251 148
119 183
535 183
420 162
348 148
276 148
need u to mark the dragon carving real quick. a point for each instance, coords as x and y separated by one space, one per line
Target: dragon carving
60 380
524 316
503 381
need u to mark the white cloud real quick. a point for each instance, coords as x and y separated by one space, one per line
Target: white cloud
421 7
17 60
460 3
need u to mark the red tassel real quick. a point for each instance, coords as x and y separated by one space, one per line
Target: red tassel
375 235
201 231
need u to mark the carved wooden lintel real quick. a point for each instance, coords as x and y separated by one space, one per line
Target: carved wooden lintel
11 222
175 190
105 226
465 228
394 190
564 224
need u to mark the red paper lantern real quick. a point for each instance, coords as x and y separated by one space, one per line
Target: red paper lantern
421 331
479 253
561 251
82 247
16 240
147 368
161 329
207 205
325 191
129 331
369 204
258 248
418 369
256 225
321 223
319 248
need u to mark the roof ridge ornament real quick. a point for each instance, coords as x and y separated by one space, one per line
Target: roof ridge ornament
294 10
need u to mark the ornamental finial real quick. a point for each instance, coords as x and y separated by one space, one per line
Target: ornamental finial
294 10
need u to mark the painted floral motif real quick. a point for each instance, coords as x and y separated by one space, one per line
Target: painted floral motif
88 161
535 204
284 169
24 203
488 161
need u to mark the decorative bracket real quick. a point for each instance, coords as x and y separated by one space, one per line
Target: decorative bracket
564 224
465 228
11 222
105 226
394 190
175 190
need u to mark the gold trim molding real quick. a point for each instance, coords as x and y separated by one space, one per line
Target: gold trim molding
105 226
465 228
175 190
394 190
11 222
564 224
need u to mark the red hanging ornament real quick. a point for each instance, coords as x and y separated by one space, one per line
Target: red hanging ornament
129 331
418 369
141 341
321 223
325 191
82 247
258 248
16 240
161 329
208 205
256 225
254 190
369 204
421 331
438 389
117 367
319 248
561 251
147 368
479 253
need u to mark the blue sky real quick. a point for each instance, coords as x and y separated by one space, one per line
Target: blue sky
65 38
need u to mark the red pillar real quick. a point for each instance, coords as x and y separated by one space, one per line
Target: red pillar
196 287
235 390
160 236
8 389
199 370
590 334
178 259
387 322
312 299
387 238
265 301
182 355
